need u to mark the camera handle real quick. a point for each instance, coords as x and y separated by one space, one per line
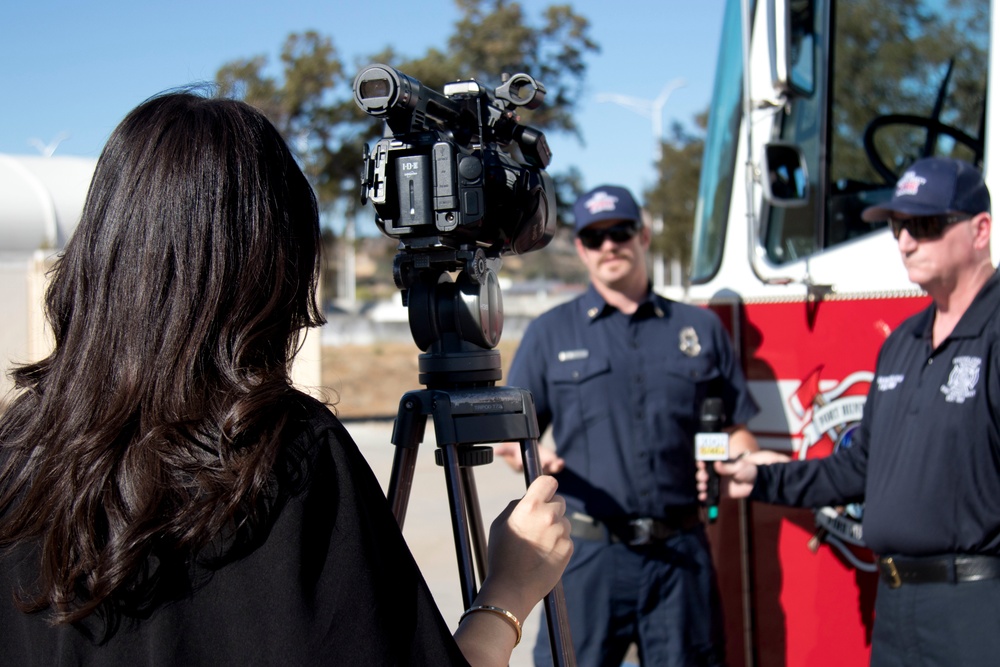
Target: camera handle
468 410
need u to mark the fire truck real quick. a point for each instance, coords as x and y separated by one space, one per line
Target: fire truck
818 107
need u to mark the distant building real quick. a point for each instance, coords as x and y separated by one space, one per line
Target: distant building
41 200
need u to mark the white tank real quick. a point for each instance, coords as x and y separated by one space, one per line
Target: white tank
41 199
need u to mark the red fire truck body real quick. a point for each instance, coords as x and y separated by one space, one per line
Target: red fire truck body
819 106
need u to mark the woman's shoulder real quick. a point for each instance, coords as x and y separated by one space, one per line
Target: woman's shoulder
310 419
315 438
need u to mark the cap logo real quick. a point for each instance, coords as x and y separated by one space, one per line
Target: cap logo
909 184
599 202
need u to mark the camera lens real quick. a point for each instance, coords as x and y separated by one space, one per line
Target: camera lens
374 88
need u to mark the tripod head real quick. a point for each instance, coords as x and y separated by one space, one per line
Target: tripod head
456 322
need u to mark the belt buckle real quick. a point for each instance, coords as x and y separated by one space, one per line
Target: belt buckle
894 579
642 531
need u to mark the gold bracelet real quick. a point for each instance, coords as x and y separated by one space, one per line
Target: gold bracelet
502 613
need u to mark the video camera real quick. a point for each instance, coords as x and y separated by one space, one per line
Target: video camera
456 177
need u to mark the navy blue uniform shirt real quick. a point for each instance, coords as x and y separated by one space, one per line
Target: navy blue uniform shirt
623 396
926 457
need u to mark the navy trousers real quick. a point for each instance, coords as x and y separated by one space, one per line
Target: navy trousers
937 625
662 597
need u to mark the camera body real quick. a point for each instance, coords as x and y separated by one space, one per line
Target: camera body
456 174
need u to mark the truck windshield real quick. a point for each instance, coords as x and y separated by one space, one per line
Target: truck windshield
719 162
897 84
891 85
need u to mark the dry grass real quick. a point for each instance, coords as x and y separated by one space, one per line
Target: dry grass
370 379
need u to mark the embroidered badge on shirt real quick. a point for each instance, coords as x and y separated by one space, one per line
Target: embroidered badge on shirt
571 355
689 342
962 379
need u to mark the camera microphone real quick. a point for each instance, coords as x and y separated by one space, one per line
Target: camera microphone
711 444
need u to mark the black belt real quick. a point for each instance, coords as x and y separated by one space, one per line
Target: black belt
947 569
634 531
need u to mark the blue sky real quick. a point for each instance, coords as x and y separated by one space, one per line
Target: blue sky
72 69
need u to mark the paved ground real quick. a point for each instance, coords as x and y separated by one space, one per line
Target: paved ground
427 526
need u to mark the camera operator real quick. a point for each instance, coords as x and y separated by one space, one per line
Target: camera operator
166 496
619 374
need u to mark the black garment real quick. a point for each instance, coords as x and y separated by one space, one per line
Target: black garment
333 583
926 457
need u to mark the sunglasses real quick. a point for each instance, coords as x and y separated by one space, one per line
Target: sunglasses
594 238
926 227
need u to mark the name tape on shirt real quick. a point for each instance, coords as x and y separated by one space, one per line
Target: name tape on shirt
572 355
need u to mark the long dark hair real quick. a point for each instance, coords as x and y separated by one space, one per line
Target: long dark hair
177 308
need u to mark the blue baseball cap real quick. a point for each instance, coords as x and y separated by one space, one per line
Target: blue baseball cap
606 202
935 186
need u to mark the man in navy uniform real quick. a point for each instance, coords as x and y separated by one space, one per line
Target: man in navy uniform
926 457
620 374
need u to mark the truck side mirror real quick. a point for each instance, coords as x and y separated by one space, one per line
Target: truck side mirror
785 180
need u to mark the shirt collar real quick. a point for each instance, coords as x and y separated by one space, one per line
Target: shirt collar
595 307
982 309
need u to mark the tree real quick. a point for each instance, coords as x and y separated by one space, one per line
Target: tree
312 104
493 37
311 99
675 195
305 107
901 56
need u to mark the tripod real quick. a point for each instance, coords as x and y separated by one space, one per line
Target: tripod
458 325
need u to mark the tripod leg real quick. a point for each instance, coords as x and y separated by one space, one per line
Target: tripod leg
404 461
407 432
557 623
475 520
463 417
460 524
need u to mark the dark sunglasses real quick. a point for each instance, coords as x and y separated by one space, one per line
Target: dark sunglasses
594 238
926 227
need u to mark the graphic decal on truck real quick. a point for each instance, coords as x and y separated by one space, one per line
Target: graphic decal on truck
829 421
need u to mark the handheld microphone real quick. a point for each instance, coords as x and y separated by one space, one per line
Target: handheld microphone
710 444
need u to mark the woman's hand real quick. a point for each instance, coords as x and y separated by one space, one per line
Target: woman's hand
529 548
